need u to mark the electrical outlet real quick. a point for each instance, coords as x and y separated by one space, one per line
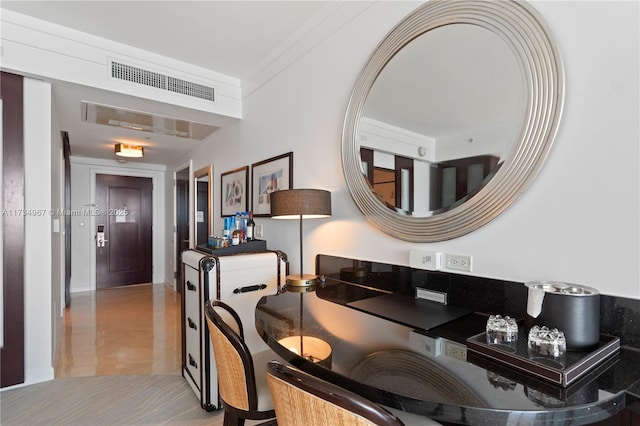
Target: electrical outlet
455 350
258 231
459 262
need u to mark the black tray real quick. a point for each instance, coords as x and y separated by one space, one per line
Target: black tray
576 365
502 375
253 246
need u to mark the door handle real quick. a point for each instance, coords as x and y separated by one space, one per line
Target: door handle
100 241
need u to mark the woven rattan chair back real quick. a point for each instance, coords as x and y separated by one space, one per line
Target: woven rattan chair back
302 399
234 364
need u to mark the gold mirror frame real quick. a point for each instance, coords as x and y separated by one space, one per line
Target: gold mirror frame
205 172
520 26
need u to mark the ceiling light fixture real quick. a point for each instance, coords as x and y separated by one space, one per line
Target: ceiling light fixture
129 151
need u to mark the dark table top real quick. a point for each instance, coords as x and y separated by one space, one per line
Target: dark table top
387 361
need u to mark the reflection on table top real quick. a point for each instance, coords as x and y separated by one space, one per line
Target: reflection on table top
390 363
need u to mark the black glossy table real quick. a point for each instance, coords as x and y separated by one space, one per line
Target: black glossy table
388 362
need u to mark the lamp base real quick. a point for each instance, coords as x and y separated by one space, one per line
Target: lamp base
298 281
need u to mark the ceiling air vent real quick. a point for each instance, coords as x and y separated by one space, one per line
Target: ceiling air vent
161 81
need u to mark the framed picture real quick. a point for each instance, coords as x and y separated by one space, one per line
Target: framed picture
233 189
267 176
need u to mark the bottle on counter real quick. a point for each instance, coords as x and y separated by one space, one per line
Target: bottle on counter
226 233
236 237
232 227
251 227
239 227
242 225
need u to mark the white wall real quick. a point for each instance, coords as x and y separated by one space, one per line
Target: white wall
57 237
579 220
37 234
83 171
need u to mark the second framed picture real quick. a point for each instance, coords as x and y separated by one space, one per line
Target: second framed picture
234 187
272 174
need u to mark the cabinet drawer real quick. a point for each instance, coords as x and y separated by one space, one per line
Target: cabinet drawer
191 292
193 360
192 323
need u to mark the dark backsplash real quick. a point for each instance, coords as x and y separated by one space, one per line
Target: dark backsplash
618 316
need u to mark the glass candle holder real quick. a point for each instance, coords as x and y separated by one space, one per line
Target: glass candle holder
547 345
501 331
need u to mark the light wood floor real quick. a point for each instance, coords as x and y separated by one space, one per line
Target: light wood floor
121 331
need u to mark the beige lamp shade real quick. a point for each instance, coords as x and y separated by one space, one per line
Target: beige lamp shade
291 203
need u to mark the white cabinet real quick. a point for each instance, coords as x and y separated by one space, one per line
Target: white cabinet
239 280
191 327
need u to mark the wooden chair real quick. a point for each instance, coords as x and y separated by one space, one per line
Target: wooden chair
241 376
302 399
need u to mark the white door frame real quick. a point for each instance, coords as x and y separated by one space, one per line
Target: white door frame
187 165
158 206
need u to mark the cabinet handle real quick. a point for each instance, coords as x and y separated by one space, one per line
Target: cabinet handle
192 324
192 361
249 288
190 286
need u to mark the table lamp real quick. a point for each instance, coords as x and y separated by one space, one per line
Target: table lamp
300 204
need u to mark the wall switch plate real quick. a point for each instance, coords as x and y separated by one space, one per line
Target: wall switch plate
424 259
458 262
430 346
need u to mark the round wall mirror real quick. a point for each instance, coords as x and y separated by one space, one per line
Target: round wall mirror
451 118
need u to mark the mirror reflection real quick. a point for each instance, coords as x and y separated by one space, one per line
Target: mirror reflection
439 119
202 205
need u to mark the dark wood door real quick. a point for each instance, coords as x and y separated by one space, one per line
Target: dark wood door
459 179
182 220
12 352
388 184
123 209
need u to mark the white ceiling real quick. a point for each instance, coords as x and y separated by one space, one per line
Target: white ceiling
229 37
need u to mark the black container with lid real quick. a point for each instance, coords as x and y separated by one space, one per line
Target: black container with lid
572 309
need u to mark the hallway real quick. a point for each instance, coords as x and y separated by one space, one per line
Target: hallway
121 331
